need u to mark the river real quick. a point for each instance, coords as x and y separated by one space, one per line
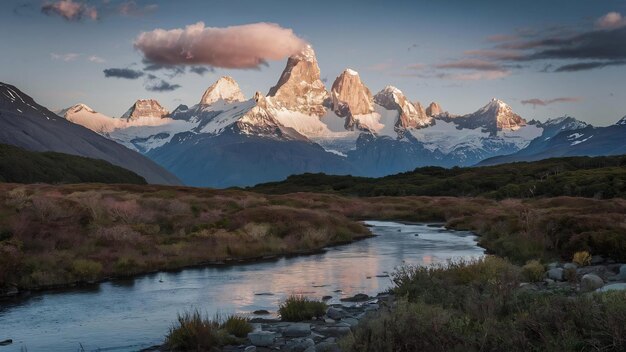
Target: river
127 315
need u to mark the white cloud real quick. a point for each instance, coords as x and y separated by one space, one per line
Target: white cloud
67 57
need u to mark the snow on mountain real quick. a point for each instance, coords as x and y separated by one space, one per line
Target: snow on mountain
85 116
143 108
225 89
565 123
410 115
621 122
493 117
348 127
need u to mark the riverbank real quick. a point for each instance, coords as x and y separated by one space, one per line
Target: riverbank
471 305
55 236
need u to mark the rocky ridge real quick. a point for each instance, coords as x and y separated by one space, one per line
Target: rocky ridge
300 88
143 108
349 96
224 89
409 115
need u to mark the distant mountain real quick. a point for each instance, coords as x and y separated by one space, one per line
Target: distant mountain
569 137
145 108
342 130
493 117
28 125
18 165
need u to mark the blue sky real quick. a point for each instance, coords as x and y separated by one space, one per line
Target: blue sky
426 48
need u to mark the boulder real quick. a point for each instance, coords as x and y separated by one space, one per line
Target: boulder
350 321
590 282
336 313
359 297
326 346
570 266
555 274
613 287
597 259
336 330
622 273
599 270
300 345
297 330
261 338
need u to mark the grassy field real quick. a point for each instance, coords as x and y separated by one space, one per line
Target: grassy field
598 177
56 235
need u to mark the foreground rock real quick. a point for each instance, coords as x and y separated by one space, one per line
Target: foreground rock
320 334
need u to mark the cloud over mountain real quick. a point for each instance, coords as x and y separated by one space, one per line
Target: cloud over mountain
243 47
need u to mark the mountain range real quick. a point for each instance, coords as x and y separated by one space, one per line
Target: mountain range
301 126
30 126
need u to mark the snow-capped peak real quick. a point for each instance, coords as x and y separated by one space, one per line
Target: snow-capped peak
493 117
76 109
621 122
392 98
225 89
300 87
349 92
497 104
307 54
146 108
565 123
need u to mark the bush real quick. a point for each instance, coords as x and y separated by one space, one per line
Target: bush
476 306
582 258
533 271
86 270
237 325
193 333
299 308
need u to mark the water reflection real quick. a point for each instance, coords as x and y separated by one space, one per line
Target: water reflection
124 315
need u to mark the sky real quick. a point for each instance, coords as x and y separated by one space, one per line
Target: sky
545 58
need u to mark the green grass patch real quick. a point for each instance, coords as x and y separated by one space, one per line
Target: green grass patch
299 308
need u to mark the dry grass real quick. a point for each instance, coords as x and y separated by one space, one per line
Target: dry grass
130 229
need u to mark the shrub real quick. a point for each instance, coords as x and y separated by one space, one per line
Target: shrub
299 308
533 271
193 332
473 308
86 270
237 325
582 258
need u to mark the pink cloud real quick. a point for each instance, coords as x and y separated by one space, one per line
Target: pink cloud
472 64
611 20
543 102
495 54
70 10
475 76
416 66
244 46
